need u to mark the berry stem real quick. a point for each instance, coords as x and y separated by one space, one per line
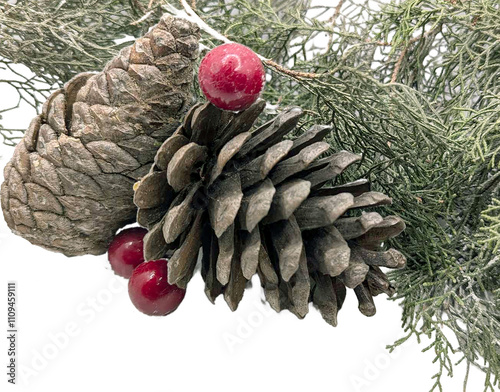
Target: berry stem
193 17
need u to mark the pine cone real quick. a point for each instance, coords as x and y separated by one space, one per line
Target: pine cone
68 187
258 203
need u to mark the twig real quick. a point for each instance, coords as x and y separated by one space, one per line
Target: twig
139 5
203 25
298 74
379 43
147 12
402 55
336 14
466 380
8 136
397 67
332 20
142 18
194 17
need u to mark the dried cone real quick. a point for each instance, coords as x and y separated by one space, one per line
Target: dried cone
258 203
68 187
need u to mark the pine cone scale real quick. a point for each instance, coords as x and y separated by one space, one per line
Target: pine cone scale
327 250
168 149
318 212
225 197
205 124
286 239
256 204
300 288
226 245
366 304
31 135
354 227
390 227
183 261
233 292
261 140
313 135
178 217
213 288
257 169
240 123
228 151
356 271
288 198
297 163
182 165
251 244
325 298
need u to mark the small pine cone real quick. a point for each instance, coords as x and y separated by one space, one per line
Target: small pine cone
68 187
256 202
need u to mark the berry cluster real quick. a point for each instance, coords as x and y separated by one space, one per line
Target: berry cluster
148 285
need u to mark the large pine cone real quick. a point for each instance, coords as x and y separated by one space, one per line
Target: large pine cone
258 203
68 187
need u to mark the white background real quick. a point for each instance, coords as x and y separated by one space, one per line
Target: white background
78 331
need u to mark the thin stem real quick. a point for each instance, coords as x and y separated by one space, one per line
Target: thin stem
397 67
215 34
332 21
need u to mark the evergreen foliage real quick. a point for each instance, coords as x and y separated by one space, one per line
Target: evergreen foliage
413 85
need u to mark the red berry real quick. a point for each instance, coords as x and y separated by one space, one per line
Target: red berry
231 76
150 291
126 251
